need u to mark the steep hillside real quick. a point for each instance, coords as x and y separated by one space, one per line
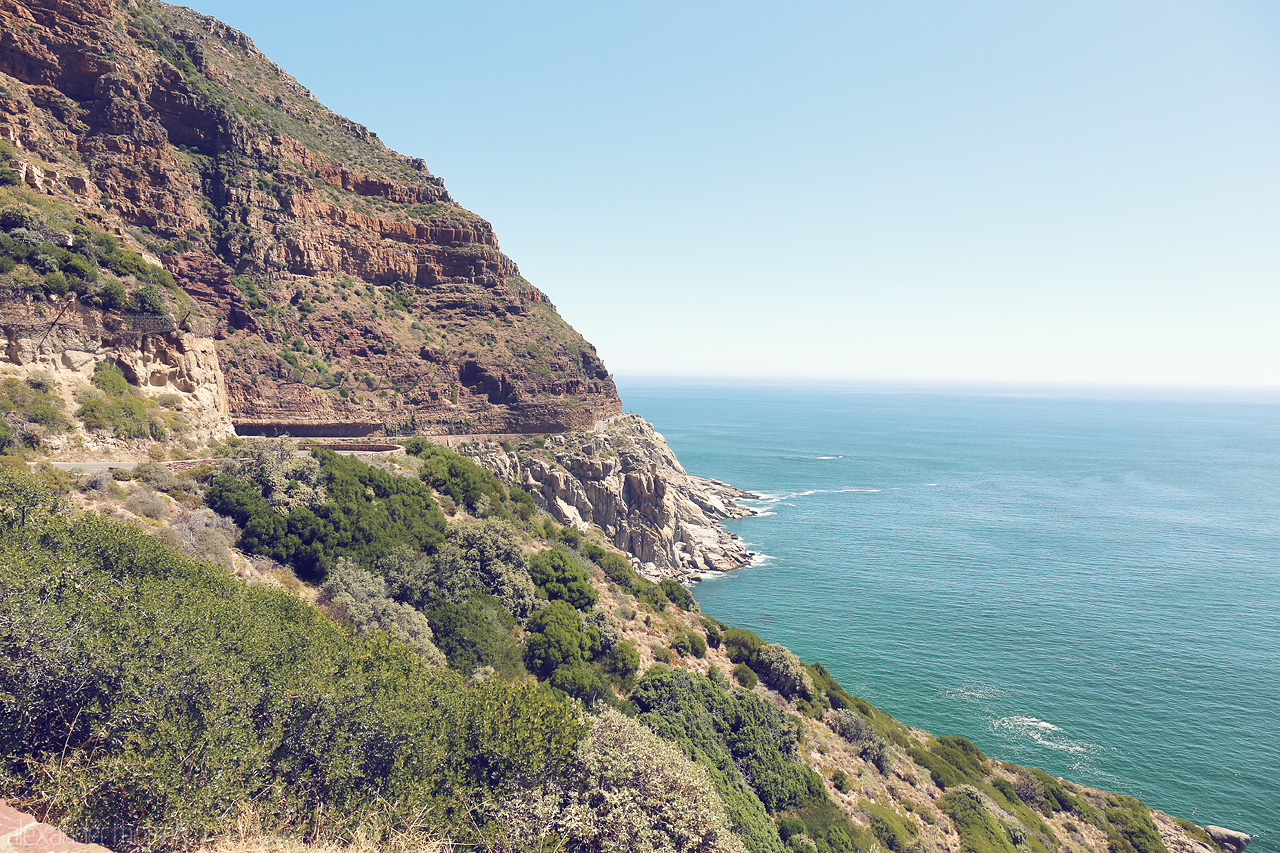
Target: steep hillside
347 291
471 672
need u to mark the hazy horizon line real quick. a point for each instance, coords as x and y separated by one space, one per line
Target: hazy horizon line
1117 390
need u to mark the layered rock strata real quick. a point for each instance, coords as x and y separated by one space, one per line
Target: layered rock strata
623 478
348 292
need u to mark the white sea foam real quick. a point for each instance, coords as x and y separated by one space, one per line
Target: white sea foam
827 492
1042 733
975 692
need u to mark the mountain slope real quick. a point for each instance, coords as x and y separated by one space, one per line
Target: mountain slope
348 291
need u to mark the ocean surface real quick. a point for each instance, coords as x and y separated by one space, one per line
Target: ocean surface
1083 584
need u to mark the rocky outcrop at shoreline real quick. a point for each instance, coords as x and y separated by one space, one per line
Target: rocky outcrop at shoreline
623 478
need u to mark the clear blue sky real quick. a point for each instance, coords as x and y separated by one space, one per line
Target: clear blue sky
926 190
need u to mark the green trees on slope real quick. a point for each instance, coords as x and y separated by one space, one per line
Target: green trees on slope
144 689
366 513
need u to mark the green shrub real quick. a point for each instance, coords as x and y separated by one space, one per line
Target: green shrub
979 831
617 569
621 663
826 686
663 655
557 577
889 828
689 643
745 675
790 826
483 555
677 594
943 774
110 379
782 671
460 478
41 381
1131 828
737 733
951 761
147 300
363 600
35 410
876 752
1006 790
741 644
713 628
365 514
841 781
123 417
56 283
113 296
581 681
624 790
477 632
555 637
961 754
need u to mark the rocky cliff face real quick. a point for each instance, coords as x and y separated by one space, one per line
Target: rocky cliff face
347 291
623 478
68 340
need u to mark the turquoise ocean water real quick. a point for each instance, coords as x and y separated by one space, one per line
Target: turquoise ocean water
1089 586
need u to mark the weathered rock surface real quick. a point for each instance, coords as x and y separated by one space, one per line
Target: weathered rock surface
23 833
1229 839
347 291
68 340
623 478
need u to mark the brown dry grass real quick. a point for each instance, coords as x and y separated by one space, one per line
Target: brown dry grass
250 836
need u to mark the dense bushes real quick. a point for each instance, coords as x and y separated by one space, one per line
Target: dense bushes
476 632
363 600
487 556
624 790
688 643
366 513
558 577
558 638
465 482
63 256
1131 829
979 830
617 569
28 412
114 406
144 689
749 746
782 671
677 594
741 645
